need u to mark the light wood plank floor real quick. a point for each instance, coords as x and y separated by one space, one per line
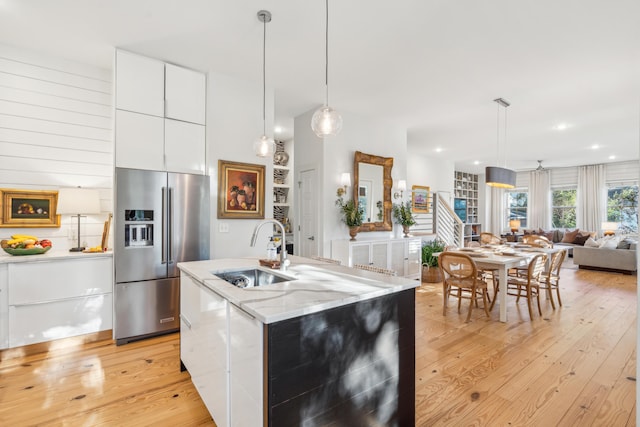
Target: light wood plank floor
575 366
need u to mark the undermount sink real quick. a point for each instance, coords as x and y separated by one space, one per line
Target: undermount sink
252 277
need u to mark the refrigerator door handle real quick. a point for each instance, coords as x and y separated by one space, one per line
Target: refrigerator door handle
164 225
170 226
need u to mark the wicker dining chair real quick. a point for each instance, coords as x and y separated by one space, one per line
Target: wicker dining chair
490 239
537 241
551 277
529 285
461 280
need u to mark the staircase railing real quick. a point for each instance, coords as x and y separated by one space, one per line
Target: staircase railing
447 225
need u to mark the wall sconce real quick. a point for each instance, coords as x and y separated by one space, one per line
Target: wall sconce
514 225
345 181
609 228
402 186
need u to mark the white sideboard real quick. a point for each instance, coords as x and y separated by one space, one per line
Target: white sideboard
52 296
402 255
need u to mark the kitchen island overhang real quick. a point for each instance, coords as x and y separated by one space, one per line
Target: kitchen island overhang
336 345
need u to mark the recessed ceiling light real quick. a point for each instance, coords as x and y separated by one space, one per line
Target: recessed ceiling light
277 129
612 157
438 150
595 146
561 126
477 162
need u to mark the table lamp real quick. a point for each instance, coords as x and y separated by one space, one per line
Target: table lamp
78 201
514 225
609 228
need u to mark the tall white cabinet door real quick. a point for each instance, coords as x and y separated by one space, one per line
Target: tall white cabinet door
4 307
185 94
414 259
139 84
360 254
139 141
380 254
184 147
397 256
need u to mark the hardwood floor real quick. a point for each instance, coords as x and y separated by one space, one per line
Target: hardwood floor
574 366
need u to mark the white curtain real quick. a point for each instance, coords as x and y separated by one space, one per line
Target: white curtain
539 211
496 211
591 200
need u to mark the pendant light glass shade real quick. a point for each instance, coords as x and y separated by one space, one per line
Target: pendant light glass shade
496 176
264 146
326 121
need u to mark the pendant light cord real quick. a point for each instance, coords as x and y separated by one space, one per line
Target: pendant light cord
326 52
264 76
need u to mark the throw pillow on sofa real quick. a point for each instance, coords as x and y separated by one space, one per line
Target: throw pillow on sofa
591 243
581 239
570 236
548 234
609 242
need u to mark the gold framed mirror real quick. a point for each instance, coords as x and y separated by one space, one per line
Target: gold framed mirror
372 189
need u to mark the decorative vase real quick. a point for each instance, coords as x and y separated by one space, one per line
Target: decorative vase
431 274
405 229
353 231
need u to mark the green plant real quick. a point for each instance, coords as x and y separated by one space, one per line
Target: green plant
352 215
402 214
429 248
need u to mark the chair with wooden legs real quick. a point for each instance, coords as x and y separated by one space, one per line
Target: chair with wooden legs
490 239
528 286
551 277
460 279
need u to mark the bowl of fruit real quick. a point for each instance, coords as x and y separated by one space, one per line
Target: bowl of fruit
22 244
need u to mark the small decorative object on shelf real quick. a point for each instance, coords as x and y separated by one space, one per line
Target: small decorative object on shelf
402 215
352 215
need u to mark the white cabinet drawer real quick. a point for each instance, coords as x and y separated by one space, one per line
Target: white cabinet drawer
32 282
49 321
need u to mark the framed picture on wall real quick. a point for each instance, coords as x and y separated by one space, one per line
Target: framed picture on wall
419 199
28 208
240 190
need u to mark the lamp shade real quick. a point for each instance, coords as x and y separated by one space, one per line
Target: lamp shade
345 179
500 177
402 185
609 226
77 201
514 224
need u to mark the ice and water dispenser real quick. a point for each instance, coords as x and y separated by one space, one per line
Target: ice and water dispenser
138 227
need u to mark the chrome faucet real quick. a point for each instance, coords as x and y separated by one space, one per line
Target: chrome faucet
284 262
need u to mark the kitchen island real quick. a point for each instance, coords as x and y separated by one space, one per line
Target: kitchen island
331 345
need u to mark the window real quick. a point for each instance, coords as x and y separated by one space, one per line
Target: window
622 207
517 207
563 208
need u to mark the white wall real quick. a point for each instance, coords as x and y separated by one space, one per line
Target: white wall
234 122
335 155
437 174
56 132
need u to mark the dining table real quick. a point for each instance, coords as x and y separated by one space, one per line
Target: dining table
503 258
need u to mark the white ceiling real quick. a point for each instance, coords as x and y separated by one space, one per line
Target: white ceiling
432 66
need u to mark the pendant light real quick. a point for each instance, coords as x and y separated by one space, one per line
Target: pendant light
326 121
497 176
264 146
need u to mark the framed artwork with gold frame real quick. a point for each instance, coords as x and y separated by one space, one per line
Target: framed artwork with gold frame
240 190
28 208
419 199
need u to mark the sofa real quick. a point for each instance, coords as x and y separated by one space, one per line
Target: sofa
619 257
568 239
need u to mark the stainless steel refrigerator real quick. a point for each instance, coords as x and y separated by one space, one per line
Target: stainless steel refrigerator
161 218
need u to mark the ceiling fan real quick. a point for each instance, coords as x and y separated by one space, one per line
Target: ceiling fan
540 167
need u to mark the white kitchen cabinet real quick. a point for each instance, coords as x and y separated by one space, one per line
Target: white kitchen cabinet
185 94
52 299
139 141
184 147
401 255
171 138
204 348
4 307
246 368
140 84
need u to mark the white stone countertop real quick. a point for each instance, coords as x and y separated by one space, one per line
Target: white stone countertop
318 286
51 254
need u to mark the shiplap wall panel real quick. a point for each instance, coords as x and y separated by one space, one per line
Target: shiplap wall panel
56 130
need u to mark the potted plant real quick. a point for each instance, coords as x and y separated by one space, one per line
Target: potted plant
430 271
402 215
352 215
